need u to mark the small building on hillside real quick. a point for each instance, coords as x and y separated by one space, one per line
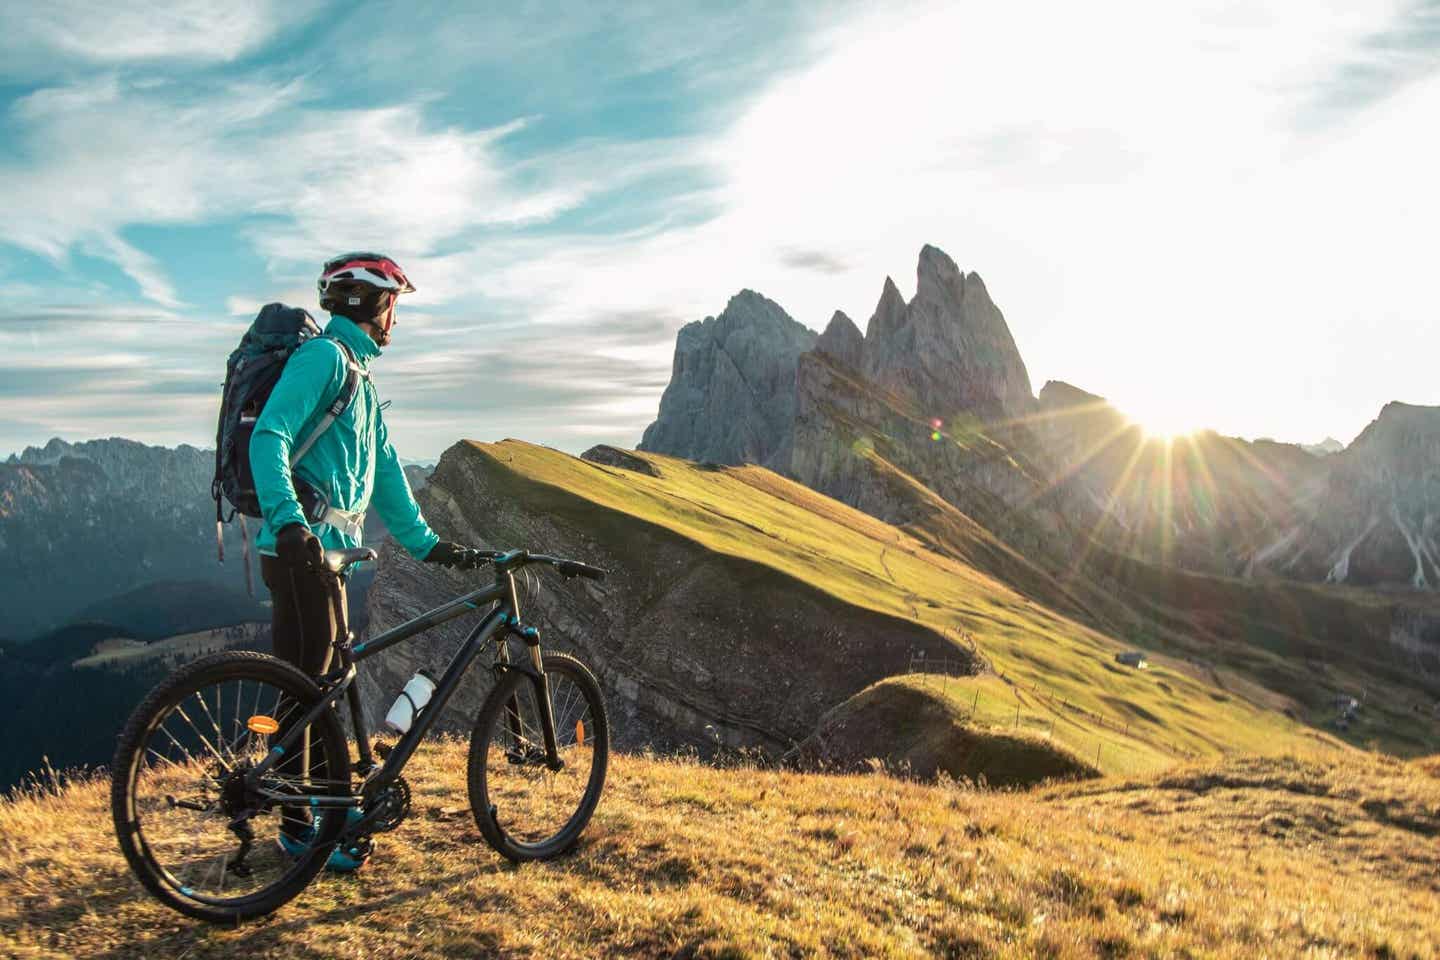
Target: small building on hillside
1132 658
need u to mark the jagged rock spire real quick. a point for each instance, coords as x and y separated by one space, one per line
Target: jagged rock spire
843 341
949 349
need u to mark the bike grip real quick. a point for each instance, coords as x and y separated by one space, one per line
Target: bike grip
574 568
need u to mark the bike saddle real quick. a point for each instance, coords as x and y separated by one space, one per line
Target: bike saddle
337 561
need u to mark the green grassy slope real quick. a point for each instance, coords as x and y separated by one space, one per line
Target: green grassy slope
1053 664
1289 646
930 727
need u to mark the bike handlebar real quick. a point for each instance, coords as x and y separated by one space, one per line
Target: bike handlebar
515 559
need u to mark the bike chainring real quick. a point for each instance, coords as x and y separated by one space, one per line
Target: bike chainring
393 804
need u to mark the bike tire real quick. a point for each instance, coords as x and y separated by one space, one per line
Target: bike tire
126 768
489 723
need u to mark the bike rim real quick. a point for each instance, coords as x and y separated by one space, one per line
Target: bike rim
185 795
528 801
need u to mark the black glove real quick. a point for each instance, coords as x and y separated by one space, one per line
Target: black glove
450 554
296 546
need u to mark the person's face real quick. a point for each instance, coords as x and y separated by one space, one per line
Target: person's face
384 322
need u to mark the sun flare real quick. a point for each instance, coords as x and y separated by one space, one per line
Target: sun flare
1164 423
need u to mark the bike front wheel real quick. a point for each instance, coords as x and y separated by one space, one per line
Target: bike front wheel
526 809
201 835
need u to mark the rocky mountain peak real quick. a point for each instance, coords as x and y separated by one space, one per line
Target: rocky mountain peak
731 396
937 277
949 349
843 341
1403 436
889 313
1058 395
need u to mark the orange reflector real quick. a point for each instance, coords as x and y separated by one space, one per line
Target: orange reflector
263 724
580 732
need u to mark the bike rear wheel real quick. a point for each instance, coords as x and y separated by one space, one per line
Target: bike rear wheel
524 809
182 809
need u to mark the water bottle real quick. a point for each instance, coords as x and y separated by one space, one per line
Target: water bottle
411 701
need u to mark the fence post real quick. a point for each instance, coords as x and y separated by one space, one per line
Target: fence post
976 704
1017 715
1097 752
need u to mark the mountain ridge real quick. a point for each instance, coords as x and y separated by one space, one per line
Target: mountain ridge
937 390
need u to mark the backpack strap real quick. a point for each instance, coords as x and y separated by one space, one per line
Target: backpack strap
348 389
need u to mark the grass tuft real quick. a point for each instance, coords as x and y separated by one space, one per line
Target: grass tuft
781 863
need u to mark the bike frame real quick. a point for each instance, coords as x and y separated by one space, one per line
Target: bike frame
503 621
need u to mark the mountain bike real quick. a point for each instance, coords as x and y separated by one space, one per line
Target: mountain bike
217 756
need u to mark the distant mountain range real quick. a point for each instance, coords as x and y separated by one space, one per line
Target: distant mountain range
112 542
105 523
82 522
935 393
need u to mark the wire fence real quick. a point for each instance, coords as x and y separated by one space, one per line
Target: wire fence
941 672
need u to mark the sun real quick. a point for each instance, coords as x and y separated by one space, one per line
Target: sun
1161 421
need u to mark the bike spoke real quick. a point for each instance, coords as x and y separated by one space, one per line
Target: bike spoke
201 737
184 790
534 804
219 737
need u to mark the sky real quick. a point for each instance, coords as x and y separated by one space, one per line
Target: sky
1215 214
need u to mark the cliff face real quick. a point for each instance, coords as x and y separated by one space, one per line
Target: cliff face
947 354
731 397
694 646
949 349
918 395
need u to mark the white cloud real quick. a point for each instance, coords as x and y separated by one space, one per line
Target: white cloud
44 37
1154 195
332 178
1173 206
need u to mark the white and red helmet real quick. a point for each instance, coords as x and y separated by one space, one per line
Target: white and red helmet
374 269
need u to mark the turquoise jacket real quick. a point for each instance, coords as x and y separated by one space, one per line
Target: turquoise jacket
353 462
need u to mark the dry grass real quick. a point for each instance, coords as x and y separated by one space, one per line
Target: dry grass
1242 858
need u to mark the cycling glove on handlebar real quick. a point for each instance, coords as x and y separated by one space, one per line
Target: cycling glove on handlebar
447 553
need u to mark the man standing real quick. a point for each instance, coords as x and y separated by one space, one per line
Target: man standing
352 465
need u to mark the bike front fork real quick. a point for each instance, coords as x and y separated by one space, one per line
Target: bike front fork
541 682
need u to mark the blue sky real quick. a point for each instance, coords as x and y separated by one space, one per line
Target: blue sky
1215 214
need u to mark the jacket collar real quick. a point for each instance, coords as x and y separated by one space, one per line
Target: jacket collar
353 336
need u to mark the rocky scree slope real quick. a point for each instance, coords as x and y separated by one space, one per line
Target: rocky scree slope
1376 519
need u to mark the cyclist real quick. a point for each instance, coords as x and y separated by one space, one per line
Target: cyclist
352 464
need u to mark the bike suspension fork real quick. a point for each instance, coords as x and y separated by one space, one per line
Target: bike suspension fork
542 693
531 636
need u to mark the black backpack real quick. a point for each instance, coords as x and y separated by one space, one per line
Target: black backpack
251 373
